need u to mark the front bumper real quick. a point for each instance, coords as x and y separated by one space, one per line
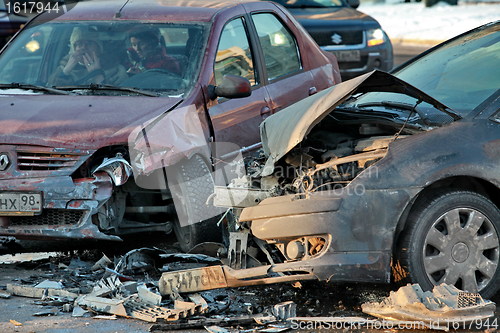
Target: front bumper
371 58
67 208
360 227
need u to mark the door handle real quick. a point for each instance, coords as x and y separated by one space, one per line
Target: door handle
312 91
265 111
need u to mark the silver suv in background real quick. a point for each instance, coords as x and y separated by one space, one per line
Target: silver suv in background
356 39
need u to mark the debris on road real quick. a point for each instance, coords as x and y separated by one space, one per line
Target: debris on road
15 323
445 304
35 292
175 291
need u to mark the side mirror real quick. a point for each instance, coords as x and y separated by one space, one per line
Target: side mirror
232 86
353 3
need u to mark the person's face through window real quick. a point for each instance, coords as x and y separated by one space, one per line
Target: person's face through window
142 47
85 45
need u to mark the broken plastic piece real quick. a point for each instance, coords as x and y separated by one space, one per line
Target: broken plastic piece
445 304
101 304
148 296
15 323
285 310
50 284
38 292
101 263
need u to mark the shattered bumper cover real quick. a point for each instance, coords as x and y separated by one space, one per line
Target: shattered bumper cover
358 245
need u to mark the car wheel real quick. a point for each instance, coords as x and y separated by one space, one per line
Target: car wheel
191 187
453 238
430 3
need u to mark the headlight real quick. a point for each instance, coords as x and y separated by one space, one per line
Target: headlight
117 168
375 37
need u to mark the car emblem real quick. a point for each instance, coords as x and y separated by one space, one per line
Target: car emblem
336 38
4 162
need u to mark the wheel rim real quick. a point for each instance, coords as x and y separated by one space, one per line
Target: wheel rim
462 249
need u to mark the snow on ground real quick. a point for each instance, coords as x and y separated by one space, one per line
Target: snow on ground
413 23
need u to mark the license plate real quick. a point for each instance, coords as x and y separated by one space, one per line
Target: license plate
18 203
193 280
348 55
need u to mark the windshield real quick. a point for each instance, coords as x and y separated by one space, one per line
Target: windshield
310 3
159 58
461 74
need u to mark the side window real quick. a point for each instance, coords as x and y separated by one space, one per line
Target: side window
234 55
278 44
24 64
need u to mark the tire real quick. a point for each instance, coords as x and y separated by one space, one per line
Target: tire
453 238
191 184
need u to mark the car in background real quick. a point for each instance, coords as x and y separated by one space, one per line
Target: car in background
388 177
357 40
10 23
65 158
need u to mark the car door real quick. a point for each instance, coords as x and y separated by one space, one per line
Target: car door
288 82
237 120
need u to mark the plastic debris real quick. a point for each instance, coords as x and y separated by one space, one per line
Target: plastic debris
445 304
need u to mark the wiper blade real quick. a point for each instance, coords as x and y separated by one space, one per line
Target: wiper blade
94 86
397 105
33 87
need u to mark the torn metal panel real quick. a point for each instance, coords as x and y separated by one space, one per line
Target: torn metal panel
445 304
284 130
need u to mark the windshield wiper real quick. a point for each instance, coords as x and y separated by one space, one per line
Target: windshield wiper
33 87
396 105
94 86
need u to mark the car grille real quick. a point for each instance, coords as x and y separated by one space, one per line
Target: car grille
324 38
45 160
49 217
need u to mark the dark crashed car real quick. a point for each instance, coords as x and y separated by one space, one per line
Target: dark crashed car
387 177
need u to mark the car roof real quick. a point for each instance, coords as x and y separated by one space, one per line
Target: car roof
150 10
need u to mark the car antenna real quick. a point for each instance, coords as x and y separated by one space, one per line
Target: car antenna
414 110
118 14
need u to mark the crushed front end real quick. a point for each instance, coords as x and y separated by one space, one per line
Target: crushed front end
47 193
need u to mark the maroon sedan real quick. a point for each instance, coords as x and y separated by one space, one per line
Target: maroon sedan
84 91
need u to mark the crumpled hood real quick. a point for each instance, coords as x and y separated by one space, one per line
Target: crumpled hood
282 131
68 121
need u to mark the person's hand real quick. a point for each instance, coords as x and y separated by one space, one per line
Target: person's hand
74 59
133 70
91 61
